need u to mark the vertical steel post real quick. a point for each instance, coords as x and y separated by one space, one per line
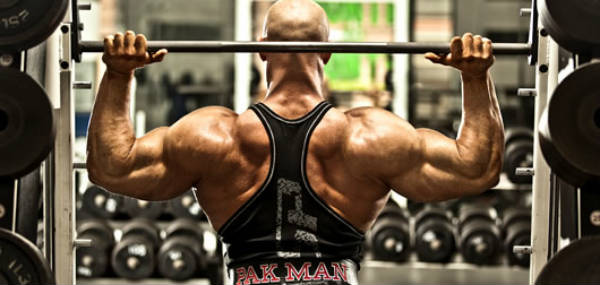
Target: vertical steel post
546 81
64 194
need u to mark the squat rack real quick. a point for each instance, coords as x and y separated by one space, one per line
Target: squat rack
59 192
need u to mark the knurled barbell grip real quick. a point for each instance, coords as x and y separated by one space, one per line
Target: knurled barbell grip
307 47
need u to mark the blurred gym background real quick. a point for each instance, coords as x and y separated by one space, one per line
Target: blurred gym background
468 241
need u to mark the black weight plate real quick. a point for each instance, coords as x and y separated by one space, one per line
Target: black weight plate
21 262
185 226
26 23
518 154
518 233
434 241
390 240
134 258
181 257
515 215
570 127
431 212
577 263
573 24
517 133
145 209
480 242
186 206
100 203
144 227
26 125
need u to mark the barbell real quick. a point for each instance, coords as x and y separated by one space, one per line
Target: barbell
306 47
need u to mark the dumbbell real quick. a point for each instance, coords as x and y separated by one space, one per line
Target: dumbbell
518 153
143 209
517 229
134 257
479 237
182 256
93 262
99 203
434 235
186 206
389 239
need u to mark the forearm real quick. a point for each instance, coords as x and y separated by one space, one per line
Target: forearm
481 139
111 136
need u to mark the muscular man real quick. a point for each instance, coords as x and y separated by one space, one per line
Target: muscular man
291 185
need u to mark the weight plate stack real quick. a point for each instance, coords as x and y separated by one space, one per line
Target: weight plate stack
434 235
134 257
94 261
389 239
181 256
480 237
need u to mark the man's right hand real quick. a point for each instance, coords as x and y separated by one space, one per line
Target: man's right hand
125 53
472 55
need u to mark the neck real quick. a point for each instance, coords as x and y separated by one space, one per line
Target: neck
294 78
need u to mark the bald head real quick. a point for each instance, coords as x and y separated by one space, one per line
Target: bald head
296 20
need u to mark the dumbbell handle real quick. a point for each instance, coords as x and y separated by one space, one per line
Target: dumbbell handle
522 249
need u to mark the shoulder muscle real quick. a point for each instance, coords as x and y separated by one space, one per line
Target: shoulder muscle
382 142
202 137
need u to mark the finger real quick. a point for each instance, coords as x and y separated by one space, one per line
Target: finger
467 45
488 51
158 56
141 45
477 46
108 44
435 58
118 41
456 48
129 41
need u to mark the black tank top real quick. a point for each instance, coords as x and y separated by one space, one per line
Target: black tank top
285 224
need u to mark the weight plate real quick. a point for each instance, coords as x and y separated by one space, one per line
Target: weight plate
517 133
577 263
570 127
145 209
518 233
518 154
186 206
26 23
480 242
134 258
142 227
181 257
434 241
21 262
26 124
100 203
390 240
573 24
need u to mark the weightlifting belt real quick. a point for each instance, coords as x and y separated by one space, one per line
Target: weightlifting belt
282 271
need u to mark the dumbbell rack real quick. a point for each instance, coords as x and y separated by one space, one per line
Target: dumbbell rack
59 194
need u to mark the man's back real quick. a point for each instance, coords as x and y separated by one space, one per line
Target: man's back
237 178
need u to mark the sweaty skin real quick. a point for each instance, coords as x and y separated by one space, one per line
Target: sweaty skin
354 158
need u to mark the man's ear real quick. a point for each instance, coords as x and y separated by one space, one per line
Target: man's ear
263 57
325 57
